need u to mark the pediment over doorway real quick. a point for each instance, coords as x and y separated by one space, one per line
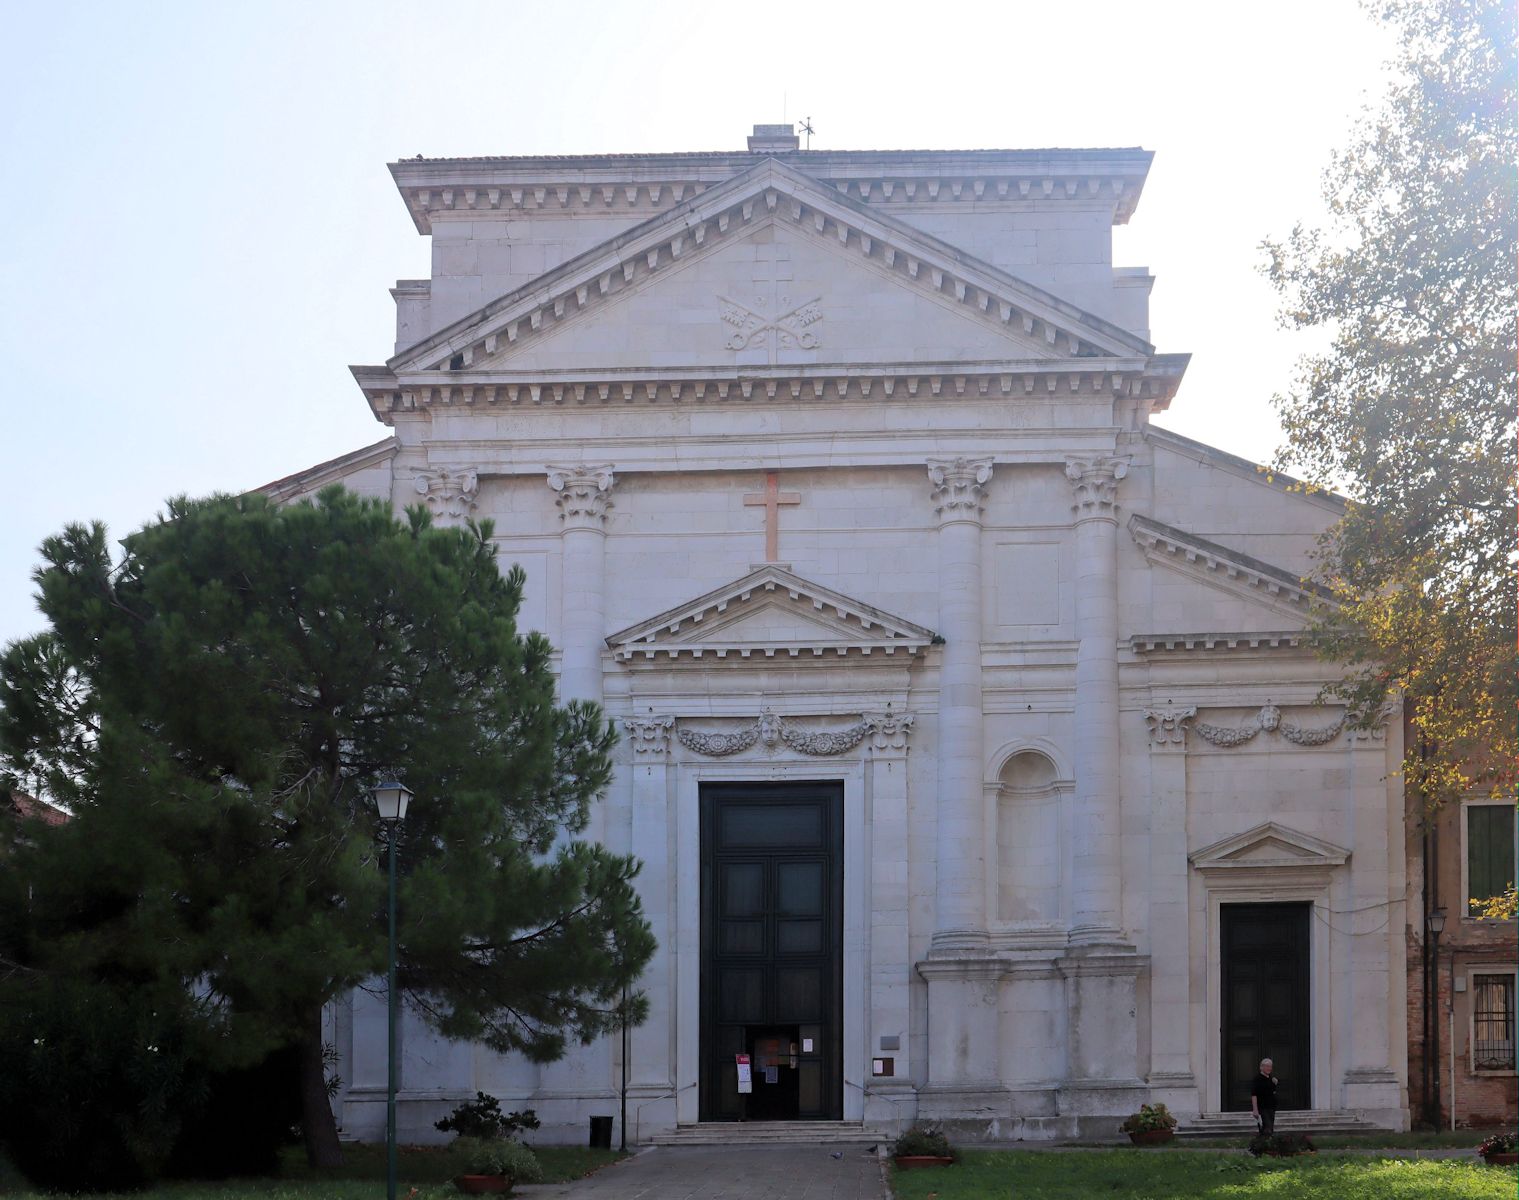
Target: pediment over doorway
770 613
1269 846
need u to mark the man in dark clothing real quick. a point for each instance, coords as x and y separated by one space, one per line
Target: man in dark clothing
1263 1099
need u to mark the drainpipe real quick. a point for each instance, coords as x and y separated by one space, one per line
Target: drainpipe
1451 1037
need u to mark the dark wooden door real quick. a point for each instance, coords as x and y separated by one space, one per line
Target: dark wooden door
771 949
1265 1000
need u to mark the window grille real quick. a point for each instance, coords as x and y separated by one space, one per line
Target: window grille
1493 1023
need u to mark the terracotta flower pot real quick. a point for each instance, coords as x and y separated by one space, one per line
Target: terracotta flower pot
483 1185
1151 1137
1502 1160
907 1162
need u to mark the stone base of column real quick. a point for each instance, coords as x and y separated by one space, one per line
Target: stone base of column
1103 1098
969 1113
1102 1027
1375 1093
964 996
890 1104
1177 1090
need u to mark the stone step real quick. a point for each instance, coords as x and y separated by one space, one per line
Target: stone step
1242 1124
759 1133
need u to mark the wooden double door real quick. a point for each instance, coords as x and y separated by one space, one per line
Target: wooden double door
1266 1001
771 950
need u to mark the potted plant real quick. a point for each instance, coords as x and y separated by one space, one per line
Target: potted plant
1500 1150
1150 1126
491 1166
923 1146
1281 1145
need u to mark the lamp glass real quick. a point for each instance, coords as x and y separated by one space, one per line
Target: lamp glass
1437 920
391 799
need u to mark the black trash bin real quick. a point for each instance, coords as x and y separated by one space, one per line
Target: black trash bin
601 1133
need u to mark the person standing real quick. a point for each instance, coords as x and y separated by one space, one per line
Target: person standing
1263 1099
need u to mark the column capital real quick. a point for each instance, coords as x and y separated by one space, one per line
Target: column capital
1168 726
449 493
583 494
1094 479
959 486
649 736
888 731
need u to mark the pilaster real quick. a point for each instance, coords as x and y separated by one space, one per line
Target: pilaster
582 495
652 1044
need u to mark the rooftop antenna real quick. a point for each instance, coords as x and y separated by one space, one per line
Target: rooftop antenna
807 129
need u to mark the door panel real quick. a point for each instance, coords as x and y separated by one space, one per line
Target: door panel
1266 1001
771 945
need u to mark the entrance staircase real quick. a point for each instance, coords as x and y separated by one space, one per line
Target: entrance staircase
767 1133
1241 1125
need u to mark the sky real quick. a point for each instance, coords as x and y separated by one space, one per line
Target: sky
198 231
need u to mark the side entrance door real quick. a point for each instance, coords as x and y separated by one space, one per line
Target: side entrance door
771 950
1265 1001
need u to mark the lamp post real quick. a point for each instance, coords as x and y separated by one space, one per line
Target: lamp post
391 799
1436 924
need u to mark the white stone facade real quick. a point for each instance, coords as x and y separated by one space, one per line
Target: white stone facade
1053 653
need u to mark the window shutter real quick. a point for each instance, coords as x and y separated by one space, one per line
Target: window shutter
1489 849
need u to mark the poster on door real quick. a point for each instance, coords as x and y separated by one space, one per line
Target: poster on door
745 1077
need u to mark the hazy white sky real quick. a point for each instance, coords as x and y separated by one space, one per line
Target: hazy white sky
199 230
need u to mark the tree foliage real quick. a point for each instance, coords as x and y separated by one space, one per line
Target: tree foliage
1411 408
214 710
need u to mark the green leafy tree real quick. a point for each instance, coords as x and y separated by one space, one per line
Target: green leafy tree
1411 409
214 709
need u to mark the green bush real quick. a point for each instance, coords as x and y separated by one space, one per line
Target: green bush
923 1140
1149 1117
482 1118
497 1156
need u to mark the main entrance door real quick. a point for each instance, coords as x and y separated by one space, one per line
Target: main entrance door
772 902
1265 1001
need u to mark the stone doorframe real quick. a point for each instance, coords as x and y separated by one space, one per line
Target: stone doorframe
690 774
1226 874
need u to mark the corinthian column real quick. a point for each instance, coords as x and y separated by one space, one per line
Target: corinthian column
959 486
582 497
1096 861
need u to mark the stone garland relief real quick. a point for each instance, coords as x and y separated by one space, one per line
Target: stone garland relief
1169 725
888 730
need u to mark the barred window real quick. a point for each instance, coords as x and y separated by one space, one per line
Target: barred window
1493 1022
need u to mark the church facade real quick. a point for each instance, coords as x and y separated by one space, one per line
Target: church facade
969 729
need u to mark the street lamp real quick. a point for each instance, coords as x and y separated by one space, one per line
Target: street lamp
1436 923
391 799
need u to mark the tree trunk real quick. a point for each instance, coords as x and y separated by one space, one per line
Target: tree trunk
318 1128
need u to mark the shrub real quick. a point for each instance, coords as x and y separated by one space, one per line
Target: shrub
1149 1117
496 1156
923 1140
482 1118
248 1115
1498 1143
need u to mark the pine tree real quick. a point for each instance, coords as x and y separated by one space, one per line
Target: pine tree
1411 408
214 710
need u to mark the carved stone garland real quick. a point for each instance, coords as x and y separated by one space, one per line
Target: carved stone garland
1268 720
770 730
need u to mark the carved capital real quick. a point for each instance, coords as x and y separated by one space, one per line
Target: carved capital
450 494
1168 725
888 730
649 736
959 486
1094 479
582 494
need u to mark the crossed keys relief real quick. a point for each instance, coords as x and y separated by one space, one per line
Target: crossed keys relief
753 326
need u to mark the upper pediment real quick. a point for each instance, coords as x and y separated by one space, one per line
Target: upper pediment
1269 846
767 614
770 194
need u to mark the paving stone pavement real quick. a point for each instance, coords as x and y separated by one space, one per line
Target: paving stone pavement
797 1172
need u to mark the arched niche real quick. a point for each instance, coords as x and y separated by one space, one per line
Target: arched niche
1028 839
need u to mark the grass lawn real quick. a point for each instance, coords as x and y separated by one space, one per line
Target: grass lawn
1461 1139
1147 1175
427 1168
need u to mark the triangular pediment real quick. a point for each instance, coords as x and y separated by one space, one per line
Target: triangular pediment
1269 846
1217 566
770 613
771 194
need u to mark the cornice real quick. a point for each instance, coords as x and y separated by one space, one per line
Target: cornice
649 184
769 191
1161 643
1150 383
1244 468
331 471
1218 564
